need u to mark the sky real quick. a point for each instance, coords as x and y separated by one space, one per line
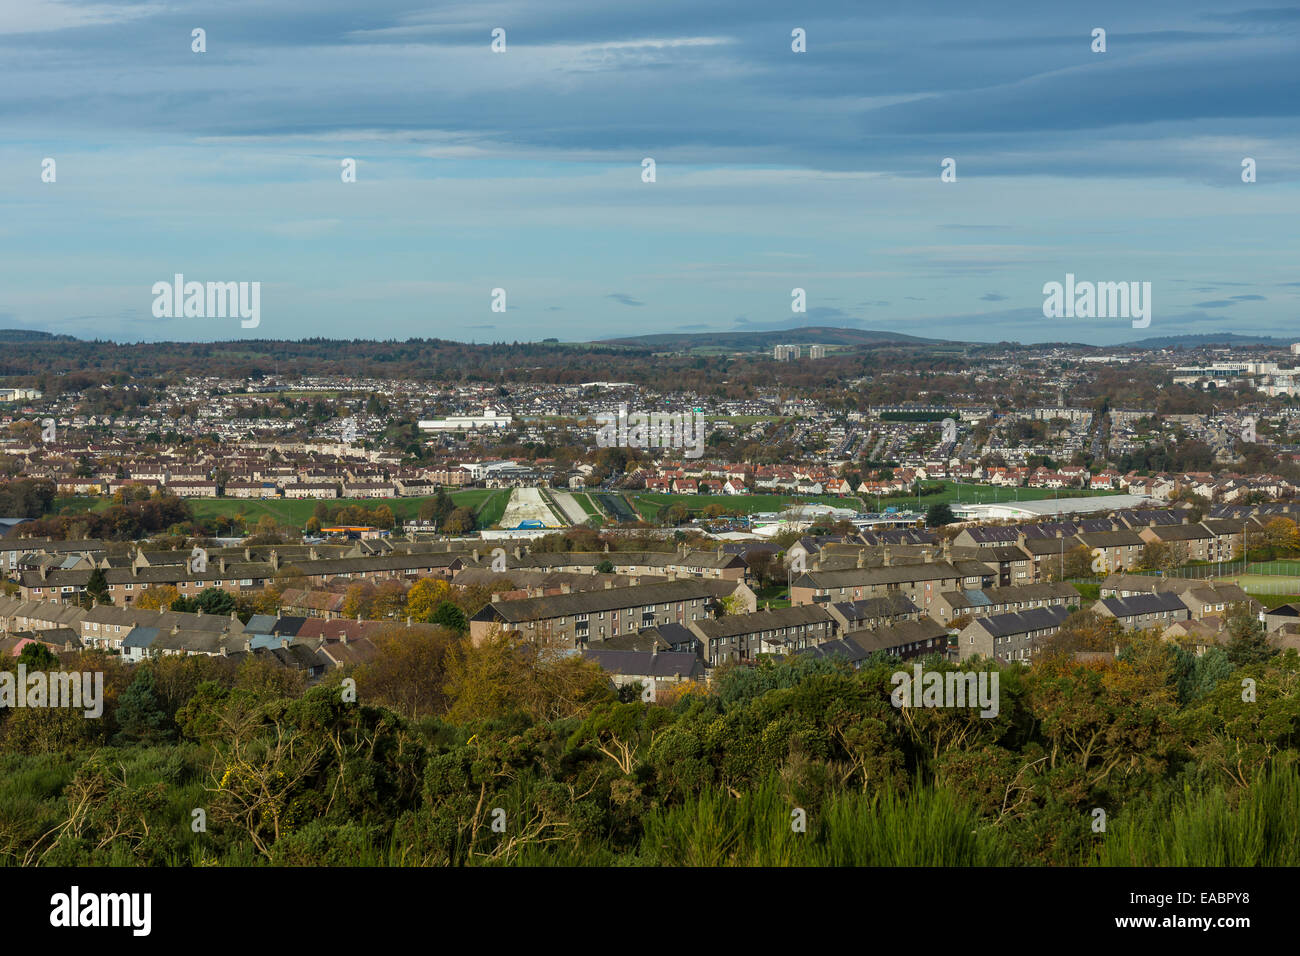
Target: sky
522 170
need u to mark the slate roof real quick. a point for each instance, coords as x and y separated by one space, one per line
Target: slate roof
866 609
846 649
1021 622
644 663
897 635
1143 604
736 624
594 602
868 577
141 637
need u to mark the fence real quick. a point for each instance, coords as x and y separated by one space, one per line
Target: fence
1256 577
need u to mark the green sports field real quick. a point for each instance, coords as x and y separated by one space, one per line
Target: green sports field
1261 585
651 504
488 505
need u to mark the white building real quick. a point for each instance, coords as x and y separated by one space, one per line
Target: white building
457 423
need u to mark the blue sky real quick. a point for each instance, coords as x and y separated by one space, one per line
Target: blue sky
522 170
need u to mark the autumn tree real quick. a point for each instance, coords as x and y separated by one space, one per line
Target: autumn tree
156 597
1078 562
358 600
1281 535
390 599
498 676
425 596
408 671
460 521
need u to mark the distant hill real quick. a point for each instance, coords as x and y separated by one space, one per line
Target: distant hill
765 340
1216 338
31 335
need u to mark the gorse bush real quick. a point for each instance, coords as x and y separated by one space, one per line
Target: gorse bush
520 759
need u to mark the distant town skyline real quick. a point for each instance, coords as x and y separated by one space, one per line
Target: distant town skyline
523 170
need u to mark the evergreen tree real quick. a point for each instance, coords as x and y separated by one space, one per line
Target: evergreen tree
37 657
215 601
97 587
1247 642
450 616
140 716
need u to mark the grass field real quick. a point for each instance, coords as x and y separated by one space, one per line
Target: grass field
651 504
1271 601
295 392
1280 567
1272 582
1261 585
1088 590
983 494
78 504
488 505
615 505
774 595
